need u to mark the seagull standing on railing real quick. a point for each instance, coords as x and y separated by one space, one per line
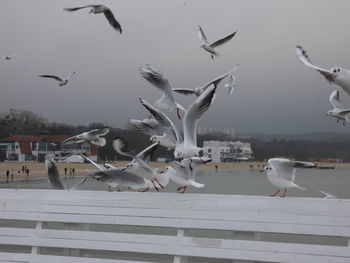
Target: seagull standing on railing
98 9
338 110
337 75
210 47
61 82
281 173
185 172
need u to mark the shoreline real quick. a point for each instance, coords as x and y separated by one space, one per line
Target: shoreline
38 170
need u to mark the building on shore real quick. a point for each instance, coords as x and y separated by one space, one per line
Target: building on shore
227 151
30 148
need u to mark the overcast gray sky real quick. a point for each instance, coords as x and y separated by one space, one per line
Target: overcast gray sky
276 93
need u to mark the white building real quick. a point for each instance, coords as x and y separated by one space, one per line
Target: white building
29 148
222 152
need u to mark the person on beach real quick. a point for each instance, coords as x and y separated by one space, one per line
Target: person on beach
7 175
12 174
27 172
73 172
216 168
70 171
65 170
23 169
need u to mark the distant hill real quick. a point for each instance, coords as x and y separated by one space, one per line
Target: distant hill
313 136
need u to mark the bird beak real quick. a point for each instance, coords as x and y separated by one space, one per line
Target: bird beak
329 75
161 172
91 11
123 169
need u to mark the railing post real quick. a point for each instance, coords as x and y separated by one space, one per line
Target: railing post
180 259
35 249
73 226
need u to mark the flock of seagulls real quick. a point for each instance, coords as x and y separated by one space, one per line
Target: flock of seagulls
137 174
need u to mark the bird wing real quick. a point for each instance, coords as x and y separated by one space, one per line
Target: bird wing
334 99
232 84
223 40
284 168
71 74
344 112
54 176
99 132
101 168
119 177
162 119
51 77
120 146
184 91
77 186
72 9
202 35
112 21
299 164
148 126
304 58
73 139
194 113
217 80
157 79
147 153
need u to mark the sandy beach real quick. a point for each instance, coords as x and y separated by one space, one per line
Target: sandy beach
37 170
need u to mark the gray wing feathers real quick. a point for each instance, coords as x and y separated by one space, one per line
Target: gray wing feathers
223 40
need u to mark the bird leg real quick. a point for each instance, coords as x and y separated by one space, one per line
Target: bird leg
159 183
118 189
109 189
212 57
155 187
337 120
274 194
190 164
178 113
343 122
182 187
284 193
145 190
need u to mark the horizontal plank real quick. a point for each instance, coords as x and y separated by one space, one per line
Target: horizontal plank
246 216
98 237
312 206
303 229
22 257
198 247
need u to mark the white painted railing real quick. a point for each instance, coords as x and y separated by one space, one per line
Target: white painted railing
111 227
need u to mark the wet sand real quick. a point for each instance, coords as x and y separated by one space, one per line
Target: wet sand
37 170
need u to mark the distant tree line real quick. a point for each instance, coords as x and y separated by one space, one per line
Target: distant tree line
23 122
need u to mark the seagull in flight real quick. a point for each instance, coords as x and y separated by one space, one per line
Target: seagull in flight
61 82
186 147
55 178
160 81
281 173
93 137
9 57
98 9
210 47
338 110
337 75
199 90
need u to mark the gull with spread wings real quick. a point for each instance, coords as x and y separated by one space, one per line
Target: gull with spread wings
210 47
337 75
98 9
338 110
185 146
